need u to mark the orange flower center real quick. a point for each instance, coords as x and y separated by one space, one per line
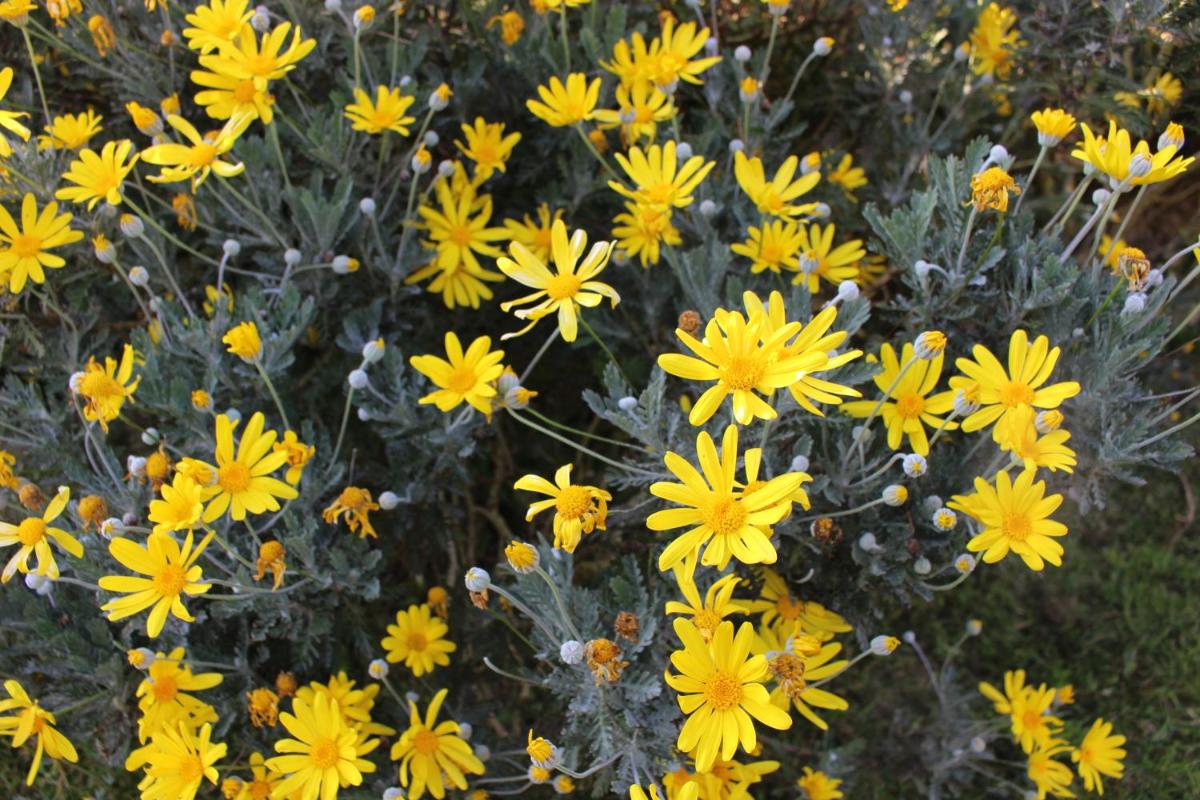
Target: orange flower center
1032 720
1014 394
1016 527
706 621
573 502
260 790
462 380
772 202
743 373
770 253
910 406
788 608
417 642
723 691
325 754
31 531
202 155
562 287
245 92
98 385
170 580
164 688
233 477
725 516
26 245
426 742
486 153
191 768
541 239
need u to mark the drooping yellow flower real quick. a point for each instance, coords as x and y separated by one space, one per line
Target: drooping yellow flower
1161 93
721 520
1114 156
388 111
487 146
246 57
721 691
263 780
847 176
795 659
243 341
270 559
1014 516
775 197
104 39
70 131
1000 393
1033 726
98 177
909 407
566 104
512 25
1100 753
298 455
354 504
658 179
468 376
1053 125
242 482
994 42
639 110
578 509
105 389
216 24
34 535
717 604
163 698
320 757
744 360
562 292
816 785
25 250
991 188
775 246
1019 435
8 478
418 640
432 754
181 505
16 12
641 231
33 720
9 119
1050 776
170 571
202 155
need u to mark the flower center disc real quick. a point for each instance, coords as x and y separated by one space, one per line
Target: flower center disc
234 477
325 754
1016 527
910 406
170 580
417 641
723 691
743 373
31 531
426 742
725 516
1016 394
573 502
26 245
561 287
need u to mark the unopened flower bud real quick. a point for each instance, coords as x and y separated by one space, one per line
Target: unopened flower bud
138 276
571 652
869 543
922 566
974 627
965 563
482 751
333 6
964 405
906 97
707 208
358 379
476 579
422 160
627 403
929 344
136 466
1171 137
378 669
366 206
393 793
292 256
364 415
1135 303
736 146
821 211
978 744
131 225
922 268
373 351
1047 421
944 519
140 658
231 247
1100 197
439 98
741 54
150 436
106 252
1139 165
711 46
683 151
822 46
998 154
445 168
363 17
931 503
465 729
808 264
233 414
894 494
847 291
884 645
431 139
261 19
111 527
914 465
799 464
341 265
388 501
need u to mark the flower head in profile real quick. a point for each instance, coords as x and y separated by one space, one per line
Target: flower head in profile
1019 434
1161 92
816 785
469 375
166 572
241 481
641 231
1002 392
163 695
70 131
1053 125
98 176
512 25
675 57
819 259
722 521
246 57
562 292
1125 163
32 720
9 120
720 690
354 505
418 640
910 406
567 103
991 188
298 455
25 249
578 509
320 756
201 155
1101 753
243 341
522 557
433 755
387 111
487 146
659 180
994 42
181 505
847 176
105 389
775 197
1014 516
33 536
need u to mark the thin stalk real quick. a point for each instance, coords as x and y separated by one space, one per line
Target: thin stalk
241 198
562 29
1137 198
175 287
273 135
766 67
591 332
562 607
596 153
1041 156
342 430
274 395
170 237
577 432
579 447
538 355
866 426
1101 211
796 78
132 289
1173 429
962 251
1108 300
1068 207
36 73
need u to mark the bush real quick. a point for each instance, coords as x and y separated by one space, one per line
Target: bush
567 394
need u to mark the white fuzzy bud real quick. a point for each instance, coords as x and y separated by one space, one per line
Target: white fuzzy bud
808 265
373 350
405 80
364 415
231 247
1100 197
341 265
906 97
571 652
962 406
847 291
894 494
869 543
131 225
944 519
477 579
1135 303
683 151
333 6
931 503
366 206
388 501
737 146
1169 138
711 46
1139 165
627 403
292 256
978 744
111 527
823 46
998 154
965 563
799 464
884 645
914 465
138 276
150 436
393 793
482 751
420 163
742 54
234 415
36 582
707 208
922 267
822 211
922 566
358 379
974 627
445 168
136 466
146 658
431 139
261 19
378 669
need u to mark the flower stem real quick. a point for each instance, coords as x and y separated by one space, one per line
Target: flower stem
578 432
962 251
274 395
1041 156
878 406
273 135
337 448
554 333
562 607
596 153
562 29
604 347
579 447
36 73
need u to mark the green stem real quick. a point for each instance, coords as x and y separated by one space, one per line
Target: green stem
149 220
273 135
175 287
1128 216
577 432
766 67
866 426
1111 296
562 607
562 28
274 395
1041 156
579 447
241 198
342 430
596 153
591 332
36 74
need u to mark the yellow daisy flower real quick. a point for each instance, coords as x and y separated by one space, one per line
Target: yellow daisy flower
32 720
535 235
1020 436
246 57
243 482
721 692
163 697
1113 154
9 119
1100 753
1049 776
675 57
994 42
225 96
578 509
814 784
775 246
170 571
216 24
1033 725
468 376
34 535
487 146
107 388
847 176
566 104
387 112
263 780
298 455
1014 516
202 155
781 609
775 197
1014 685
181 505
432 754
418 639
909 407
795 659
639 110
560 292
458 229
1161 93
658 178
717 604
321 756
70 131
641 231
820 259
25 250
721 520
98 177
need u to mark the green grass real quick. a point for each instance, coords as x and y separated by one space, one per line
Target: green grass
1119 621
